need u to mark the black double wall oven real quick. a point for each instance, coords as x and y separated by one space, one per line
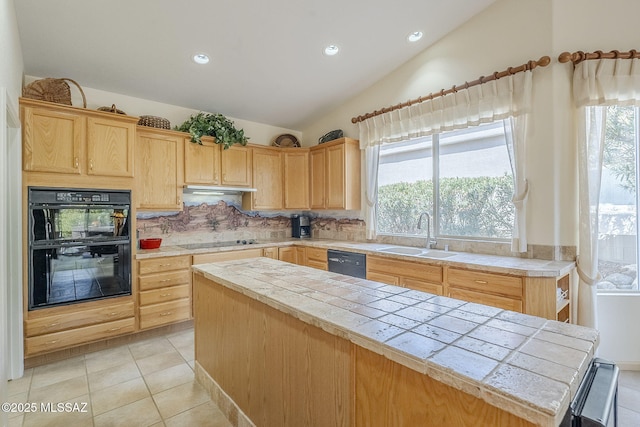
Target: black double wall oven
79 245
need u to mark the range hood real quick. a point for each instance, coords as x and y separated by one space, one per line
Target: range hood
210 190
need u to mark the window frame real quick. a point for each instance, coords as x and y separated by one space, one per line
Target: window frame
435 212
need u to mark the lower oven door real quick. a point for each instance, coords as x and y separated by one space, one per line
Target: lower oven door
66 274
596 401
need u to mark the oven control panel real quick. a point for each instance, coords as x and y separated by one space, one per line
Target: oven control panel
81 197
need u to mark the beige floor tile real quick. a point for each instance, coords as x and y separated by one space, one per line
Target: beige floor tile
169 378
139 414
187 351
179 399
16 421
62 391
109 358
150 347
112 376
205 415
58 371
118 395
17 398
180 339
22 384
63 418
159 362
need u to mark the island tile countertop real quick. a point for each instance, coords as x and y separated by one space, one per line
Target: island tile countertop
526 365
490 263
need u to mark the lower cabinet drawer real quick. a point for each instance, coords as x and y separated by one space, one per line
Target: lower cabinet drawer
77 319
316 254
164 294
486 299
154 281
77 336
421 285
499 284
317 264
163 313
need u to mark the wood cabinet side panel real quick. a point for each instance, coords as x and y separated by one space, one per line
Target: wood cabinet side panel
318 179
540 297
389 394
296 180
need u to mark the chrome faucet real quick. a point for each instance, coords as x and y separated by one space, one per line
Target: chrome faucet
430 243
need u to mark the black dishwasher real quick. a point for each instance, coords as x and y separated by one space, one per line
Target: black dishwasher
348 263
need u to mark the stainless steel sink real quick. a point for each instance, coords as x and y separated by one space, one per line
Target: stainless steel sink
402 250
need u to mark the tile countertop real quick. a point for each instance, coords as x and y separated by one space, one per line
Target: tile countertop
523 364
489 263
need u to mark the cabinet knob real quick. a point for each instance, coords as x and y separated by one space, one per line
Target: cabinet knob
481 282
90 164
76 162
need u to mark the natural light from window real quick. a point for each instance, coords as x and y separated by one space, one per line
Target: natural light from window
474 184
618 209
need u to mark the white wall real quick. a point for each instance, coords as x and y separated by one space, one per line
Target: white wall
11 67
258 133
509 33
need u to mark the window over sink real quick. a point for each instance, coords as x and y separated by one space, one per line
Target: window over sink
462 179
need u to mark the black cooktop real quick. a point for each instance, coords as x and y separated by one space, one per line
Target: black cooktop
207 245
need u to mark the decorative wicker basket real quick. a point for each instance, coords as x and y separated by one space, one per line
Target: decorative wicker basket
52 90
112 109
154 122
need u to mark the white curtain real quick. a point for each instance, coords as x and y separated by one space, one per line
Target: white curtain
515 130
596 84
500 99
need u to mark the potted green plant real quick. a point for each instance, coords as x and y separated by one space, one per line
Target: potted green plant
216 125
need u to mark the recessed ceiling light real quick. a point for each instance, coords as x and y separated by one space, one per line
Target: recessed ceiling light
415 36
331 50
201 58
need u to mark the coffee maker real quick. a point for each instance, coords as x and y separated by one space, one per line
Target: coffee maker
300 226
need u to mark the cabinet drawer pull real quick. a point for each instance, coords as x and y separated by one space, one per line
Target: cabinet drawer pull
165 295
482 282
165 280
53 324
165 314
114 313
165 265
91 164
114 329
76 162
52 342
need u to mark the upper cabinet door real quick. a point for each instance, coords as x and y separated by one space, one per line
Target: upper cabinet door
201 162
110 147
236 166
335 177
296 178
317 172
267 179
159 174
52 140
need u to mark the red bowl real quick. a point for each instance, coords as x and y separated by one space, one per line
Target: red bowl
150 243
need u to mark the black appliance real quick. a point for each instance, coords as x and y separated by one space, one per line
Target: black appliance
79 245
596 401
348 263
300 226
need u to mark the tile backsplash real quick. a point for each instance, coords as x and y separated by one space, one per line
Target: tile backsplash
205 219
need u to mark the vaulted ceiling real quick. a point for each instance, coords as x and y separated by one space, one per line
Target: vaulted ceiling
267 63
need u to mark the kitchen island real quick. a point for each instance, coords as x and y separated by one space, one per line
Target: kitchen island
280 344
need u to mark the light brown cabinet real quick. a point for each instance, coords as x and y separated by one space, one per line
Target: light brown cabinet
226 256
296 189
202 162
159 169
164 290
235 166
288 254
316 258
335 175
63 327
419 276
267 179
270 253
67 140
497 290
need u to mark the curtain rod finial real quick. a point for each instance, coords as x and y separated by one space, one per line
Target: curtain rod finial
544 61
565 57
